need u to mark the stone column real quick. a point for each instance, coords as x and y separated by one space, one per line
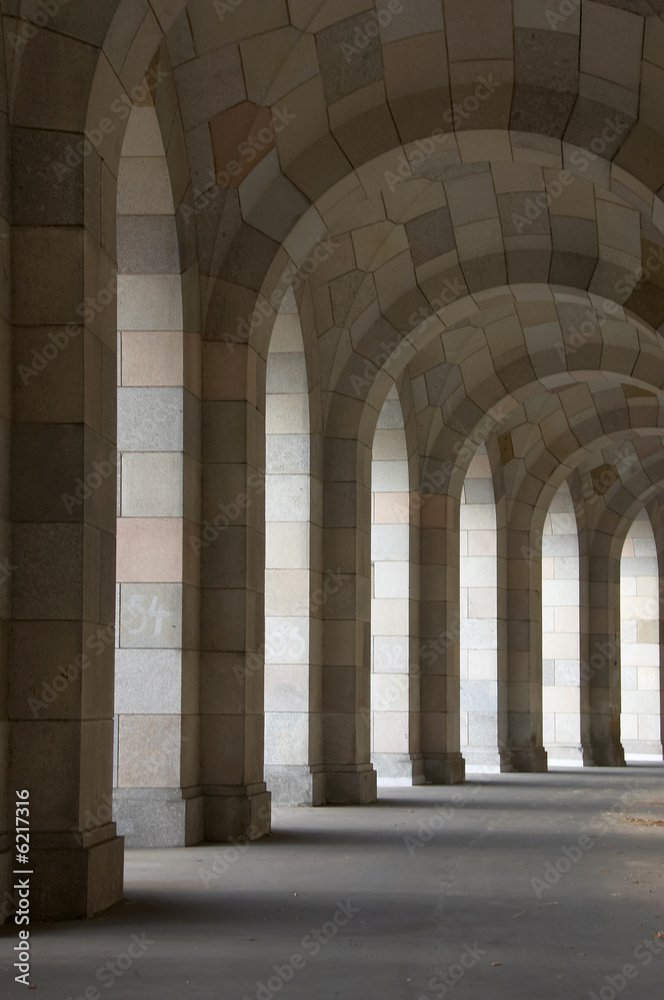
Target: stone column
440 630
63 535
6 564
346 685
523 750
233 580
600 674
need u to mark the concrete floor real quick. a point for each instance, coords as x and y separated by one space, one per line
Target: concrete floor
432 884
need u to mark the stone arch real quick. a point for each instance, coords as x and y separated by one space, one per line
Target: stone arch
541 470
424 215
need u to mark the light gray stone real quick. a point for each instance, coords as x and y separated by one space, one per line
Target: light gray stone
287 498
150 419
287 453
148 681
151 615
290 784
157 817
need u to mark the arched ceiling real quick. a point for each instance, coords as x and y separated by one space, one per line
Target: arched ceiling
454 153
550 409
320 87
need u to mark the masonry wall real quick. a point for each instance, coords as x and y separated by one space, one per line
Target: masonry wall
478 609
287 577
5 527
390 553
156 800
561 630
640 649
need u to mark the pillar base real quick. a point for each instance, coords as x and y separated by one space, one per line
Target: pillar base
643 749
525 760
295 784
444 769
481 760
394 769
73 883
603 755
236 811
354 785
159 817
563 754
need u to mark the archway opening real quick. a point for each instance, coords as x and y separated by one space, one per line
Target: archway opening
390 593
288 601
561 632
156 799
478 605
640 724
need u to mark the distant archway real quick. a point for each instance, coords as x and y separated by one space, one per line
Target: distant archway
640 724
478 601
561 632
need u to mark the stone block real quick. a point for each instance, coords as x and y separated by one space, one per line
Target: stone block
150 615
149 549
391 579
392 540
286 688
209 84
287 498
287 545
150 419
286 738
147 244
152 484
390 654
149 753
149 302
390 616
148 681
345 74
390 733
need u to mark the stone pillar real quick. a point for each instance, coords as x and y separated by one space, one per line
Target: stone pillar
63 534
346 684
232 580
6 564
440 630
523 750
600 674
157 800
